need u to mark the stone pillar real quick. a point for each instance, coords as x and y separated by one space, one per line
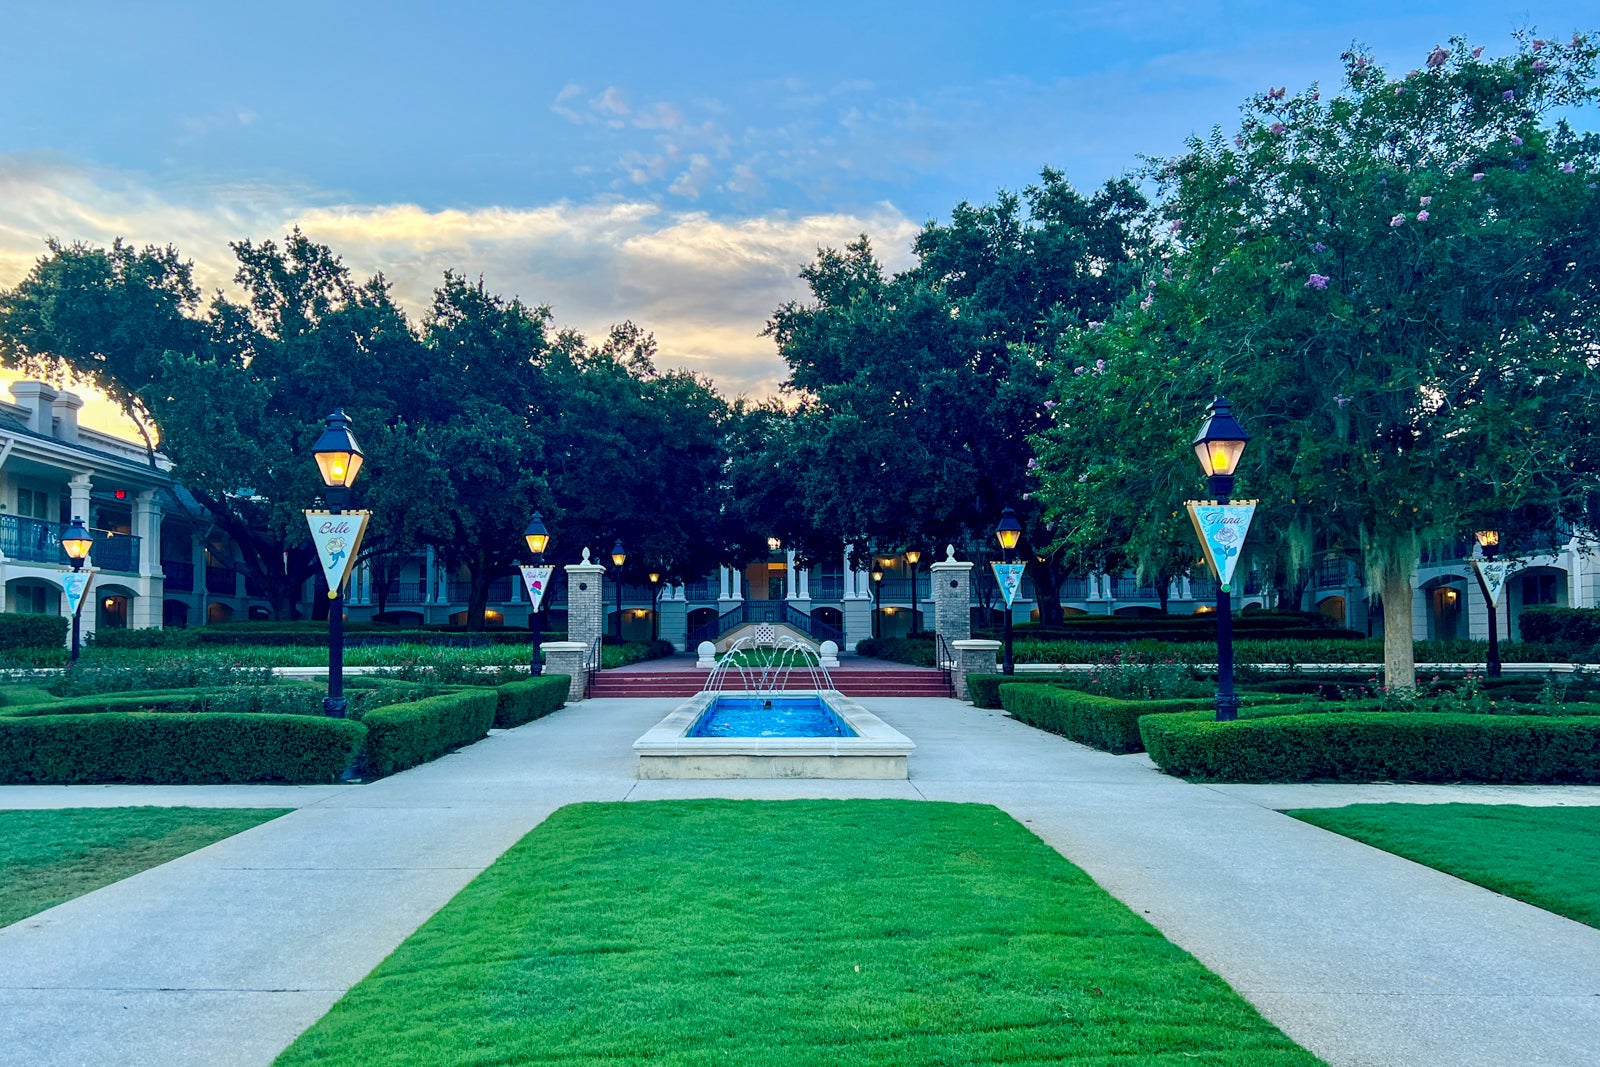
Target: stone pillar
586 618
730 593
80 485
569 658
973 657
145 611
673 624
804 577
952 596
857 622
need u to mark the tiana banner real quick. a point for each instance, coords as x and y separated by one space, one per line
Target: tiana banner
337 539
537 579
1493 573
1222 529
76 584
1009 577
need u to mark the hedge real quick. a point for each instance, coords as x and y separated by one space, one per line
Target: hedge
405 735
984 689
1365 746
314 636
22 630
520 702
280 698
176 748
1579 626
917 651
1106 723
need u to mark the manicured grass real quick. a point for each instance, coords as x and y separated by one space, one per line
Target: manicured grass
1549 857
788 934
48 857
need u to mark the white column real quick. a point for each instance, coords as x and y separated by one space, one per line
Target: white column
805 583
147 527
79 485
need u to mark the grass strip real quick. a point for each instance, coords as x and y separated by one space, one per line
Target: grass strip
1546 856
799 933
50 857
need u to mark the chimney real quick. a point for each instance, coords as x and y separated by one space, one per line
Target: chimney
36 400
66 413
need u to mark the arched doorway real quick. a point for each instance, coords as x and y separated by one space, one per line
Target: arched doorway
1332 607
1446 601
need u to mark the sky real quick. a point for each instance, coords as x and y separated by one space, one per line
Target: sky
673 164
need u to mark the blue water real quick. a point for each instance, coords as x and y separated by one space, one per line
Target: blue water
778 716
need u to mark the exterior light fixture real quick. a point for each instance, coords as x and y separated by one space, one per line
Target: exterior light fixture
1219 445
1489 543
76 541
537 537
338 456
619 556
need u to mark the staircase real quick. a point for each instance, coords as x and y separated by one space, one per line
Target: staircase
852 682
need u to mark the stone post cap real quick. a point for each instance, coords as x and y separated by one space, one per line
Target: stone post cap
586 565
974 644
563 646
950 562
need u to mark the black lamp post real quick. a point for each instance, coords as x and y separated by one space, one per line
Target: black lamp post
339 460
76 540
655 591
1219 445
619 556
538 539
913 557
877 599
1489 542
1008 531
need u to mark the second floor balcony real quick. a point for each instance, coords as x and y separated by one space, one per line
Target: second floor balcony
39 541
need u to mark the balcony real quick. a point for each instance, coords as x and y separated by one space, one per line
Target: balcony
827 587
701 590
180 576
1330 573
1131 589
39 541
1075 588
461 592
222 581
1203 588
412 592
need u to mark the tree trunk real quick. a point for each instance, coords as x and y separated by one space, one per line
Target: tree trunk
1399 655
1047 588
478 596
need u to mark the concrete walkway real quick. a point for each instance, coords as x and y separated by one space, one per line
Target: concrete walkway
222 957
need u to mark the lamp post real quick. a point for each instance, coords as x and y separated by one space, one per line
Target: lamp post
339 460
1489 542
538 539
1008 531
877 599
76 540
619 556
913 557
655 591
1219 444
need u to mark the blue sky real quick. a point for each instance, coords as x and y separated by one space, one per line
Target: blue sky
674 164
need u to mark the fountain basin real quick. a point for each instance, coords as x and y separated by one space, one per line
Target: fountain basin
877 750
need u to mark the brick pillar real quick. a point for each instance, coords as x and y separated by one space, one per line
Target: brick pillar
952 597
586 618
571 659
973 657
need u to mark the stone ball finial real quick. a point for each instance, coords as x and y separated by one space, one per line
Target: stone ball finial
949 553
586 555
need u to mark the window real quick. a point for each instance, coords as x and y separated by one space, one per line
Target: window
32 600
1539 589
31 503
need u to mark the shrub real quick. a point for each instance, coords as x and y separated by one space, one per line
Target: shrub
984 689
1363 746
176 748
520 702
1101 722
405 735
177 673
917 651
1578 626
19 630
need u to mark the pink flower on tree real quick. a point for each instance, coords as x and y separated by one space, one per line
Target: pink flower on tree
1568 168
1398 220
1099 366
1509 94
1048 404
1317 281
1478 177
1538 45
1540 64
1516 140
1399 90
1033 464
1477 53
1437 57
1278 127
1425 201
1422 216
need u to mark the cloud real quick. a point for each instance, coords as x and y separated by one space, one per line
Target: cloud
704 284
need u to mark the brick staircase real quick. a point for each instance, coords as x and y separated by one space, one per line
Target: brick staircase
861 682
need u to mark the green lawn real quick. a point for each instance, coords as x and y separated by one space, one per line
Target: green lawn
1549 857
788 934
47 857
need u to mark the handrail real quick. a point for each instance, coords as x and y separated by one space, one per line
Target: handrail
774 611
592 667
945 659
768 678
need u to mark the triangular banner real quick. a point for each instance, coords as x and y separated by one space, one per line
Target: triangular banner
1493 574
76 584
337 539
537 579
1009 578
1222 529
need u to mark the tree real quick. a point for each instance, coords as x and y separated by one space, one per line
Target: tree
1399 288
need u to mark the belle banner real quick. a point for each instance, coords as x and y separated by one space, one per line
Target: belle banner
1009 577
1493 574
76 584
1222 529
337 539
537 579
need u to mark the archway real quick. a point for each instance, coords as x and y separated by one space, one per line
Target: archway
1332 607
1445 599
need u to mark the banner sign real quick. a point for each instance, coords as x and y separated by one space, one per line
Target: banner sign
76 584
337 539
1493 574
1222 529
1009 577
537 579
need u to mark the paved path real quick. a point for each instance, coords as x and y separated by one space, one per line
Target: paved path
223 956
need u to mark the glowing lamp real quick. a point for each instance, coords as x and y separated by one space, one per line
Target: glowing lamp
1221 440
338 456
536 535
76 541
619 555
1008 531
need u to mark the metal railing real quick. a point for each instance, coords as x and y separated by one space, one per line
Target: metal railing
222 581
945 660
1133 589
591 667
1331 572
1075 588
180 576
701 590
773 611
39 541
827 587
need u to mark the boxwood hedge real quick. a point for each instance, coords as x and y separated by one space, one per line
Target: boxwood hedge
1101 722
182 747
520 702
405 735
1364 746
984 689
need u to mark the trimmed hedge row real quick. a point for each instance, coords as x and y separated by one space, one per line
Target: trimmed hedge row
23 630
405 735
520 702
286 698
313 636
176 748
1365 746
1579 626
984 689
1101 722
